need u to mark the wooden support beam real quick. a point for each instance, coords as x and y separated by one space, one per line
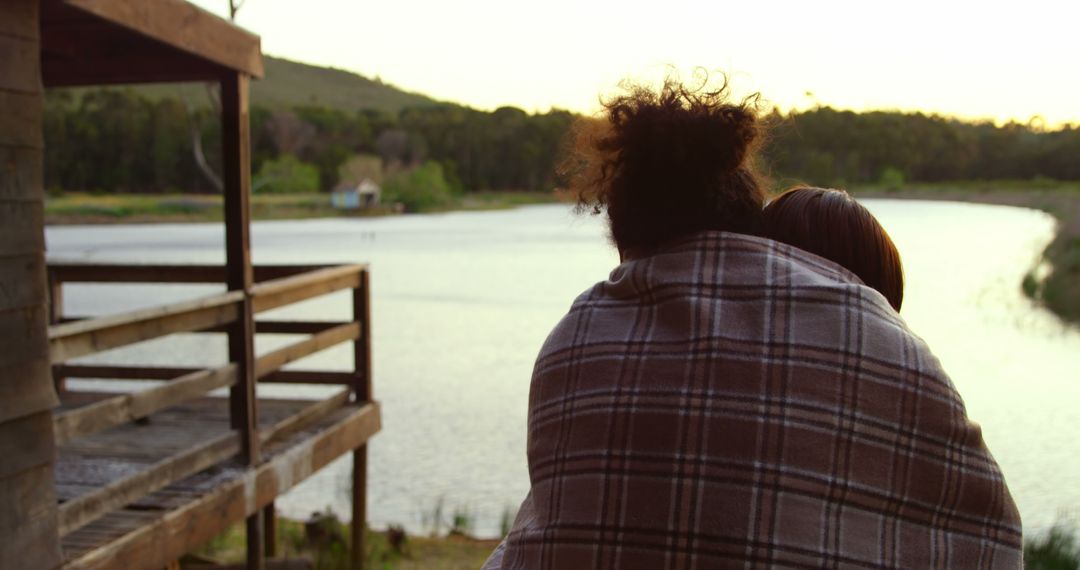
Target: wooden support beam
80 338
130 407
359 507
240 277
185 27
274 360
361 388
28 536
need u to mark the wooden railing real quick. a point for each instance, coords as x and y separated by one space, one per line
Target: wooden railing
275 286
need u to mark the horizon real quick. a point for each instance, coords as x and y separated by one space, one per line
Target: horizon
996 64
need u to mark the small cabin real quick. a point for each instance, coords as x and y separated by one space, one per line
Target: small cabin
134 480
353 196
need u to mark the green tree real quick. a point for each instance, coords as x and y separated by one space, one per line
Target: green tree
418 189
287 175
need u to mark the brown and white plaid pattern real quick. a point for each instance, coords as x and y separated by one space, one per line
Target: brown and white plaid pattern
730 401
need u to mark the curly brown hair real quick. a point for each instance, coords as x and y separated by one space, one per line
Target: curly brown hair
669 162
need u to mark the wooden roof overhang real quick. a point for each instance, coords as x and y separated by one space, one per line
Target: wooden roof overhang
100 42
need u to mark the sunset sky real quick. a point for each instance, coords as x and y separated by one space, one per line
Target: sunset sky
995 60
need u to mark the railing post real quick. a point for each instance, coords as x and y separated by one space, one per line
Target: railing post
56 316
243 412
361 393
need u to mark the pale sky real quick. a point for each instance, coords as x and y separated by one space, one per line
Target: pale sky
990 59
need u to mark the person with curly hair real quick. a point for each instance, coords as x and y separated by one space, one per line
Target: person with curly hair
728 400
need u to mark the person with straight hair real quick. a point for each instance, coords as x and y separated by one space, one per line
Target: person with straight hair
831 224
728 400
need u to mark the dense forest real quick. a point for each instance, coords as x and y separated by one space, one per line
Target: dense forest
122 141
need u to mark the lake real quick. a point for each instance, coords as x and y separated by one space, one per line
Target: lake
462 302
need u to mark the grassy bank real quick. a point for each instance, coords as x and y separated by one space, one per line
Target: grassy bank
1058 549
330 549
1059 291
82 208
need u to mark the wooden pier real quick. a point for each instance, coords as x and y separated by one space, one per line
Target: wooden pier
134 480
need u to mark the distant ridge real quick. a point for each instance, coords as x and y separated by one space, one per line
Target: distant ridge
290 84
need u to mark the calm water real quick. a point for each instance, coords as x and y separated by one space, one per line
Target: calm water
463 301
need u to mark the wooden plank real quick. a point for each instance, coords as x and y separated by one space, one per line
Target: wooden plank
159 273
125 273
275 564
323 377
22 230
289 290
20 123
99 501
303 418
19 19
282 327
28 533
25 386
125 69
22 281
274 360
23 336
295 327
80 511
20 65
28 536
21 174
27 442
80 338
129 407
183 26
117 372
165 538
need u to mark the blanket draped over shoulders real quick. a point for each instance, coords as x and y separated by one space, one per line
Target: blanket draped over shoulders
728 401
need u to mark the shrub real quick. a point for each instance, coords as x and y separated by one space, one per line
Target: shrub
287 175
419 189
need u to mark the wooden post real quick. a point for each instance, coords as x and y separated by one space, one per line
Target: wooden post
361 393
56 315
29 535
243 412
270 520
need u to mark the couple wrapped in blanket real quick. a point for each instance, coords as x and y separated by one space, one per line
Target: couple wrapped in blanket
742 391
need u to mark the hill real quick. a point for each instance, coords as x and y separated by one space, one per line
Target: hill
289 84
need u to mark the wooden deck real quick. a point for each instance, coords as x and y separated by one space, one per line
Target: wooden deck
158 528
144 476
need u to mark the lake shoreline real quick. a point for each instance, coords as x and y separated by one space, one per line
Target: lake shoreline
79 208
1057 290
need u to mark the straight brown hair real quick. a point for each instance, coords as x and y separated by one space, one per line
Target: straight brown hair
831 224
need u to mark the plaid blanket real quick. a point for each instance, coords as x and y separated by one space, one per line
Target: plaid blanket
732 401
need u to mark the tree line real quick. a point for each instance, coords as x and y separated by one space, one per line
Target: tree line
109 140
